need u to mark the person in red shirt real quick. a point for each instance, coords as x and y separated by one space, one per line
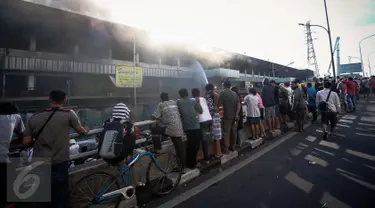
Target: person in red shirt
351 88
372 81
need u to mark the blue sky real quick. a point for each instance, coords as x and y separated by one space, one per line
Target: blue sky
266 29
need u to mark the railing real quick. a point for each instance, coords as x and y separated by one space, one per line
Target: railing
96 132
48 62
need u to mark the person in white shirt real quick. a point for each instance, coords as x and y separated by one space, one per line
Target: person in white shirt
333 104
253 113
290 91
205 121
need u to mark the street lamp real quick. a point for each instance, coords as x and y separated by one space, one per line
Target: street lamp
302 24
351 57
360 51
328 30
369 62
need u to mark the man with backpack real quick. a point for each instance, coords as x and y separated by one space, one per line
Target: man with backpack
118 132
48 133
328 103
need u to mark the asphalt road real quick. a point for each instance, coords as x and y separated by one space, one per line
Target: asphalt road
341 174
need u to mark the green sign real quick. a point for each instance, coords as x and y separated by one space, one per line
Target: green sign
350 68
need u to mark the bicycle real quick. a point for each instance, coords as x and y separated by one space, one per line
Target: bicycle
111 191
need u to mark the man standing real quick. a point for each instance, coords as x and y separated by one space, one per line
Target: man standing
366 87
212 99
205 121
283 103
10 123
333 107
268 97
189 110
351 88
298 106
311 93
277 104
343 95
231 107
168 114
51 127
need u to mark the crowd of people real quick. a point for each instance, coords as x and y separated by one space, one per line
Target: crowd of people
220 113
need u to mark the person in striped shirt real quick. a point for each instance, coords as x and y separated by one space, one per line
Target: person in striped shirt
122 112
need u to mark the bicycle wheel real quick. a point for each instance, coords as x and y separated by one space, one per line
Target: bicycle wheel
163 183
83 195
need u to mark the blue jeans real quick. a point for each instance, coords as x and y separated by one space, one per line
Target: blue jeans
353 99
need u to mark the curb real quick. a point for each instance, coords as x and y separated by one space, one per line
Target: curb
246 146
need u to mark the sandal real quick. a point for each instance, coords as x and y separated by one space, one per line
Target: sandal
217 157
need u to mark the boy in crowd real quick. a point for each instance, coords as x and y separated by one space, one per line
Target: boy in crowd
268 97
253 112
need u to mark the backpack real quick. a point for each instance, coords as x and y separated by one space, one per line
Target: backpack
116 142
284 97
323 105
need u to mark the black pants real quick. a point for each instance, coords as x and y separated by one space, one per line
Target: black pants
3 184
329 118
194 138
158 132
312 109
60 185
180 150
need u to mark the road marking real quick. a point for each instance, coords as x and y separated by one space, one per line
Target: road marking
366 124
346 121
318 161
369 166
299 182
328 153
329 144
350 117
206 184
310 138
303 145
343 125
367 135
363 183
360 154
331 201
348 173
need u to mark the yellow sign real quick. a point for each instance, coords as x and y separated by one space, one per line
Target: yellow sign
125 76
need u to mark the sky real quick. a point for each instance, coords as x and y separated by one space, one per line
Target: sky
265 29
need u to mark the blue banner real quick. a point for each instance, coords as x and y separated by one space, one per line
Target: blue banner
350 68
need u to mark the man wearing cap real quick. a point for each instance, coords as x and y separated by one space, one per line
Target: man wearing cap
231 107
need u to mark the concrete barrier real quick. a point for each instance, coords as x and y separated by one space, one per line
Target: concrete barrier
140 167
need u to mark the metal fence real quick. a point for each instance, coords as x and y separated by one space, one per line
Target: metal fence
71 66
